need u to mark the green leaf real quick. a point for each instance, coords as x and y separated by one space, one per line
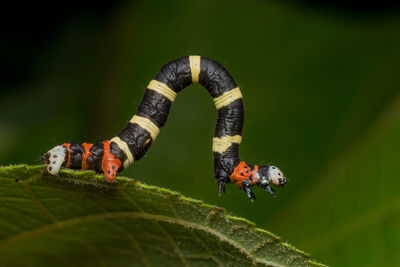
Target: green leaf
77 219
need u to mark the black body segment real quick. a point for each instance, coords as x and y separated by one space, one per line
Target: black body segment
156 104
138 139
154 107
75 151
176 74
96 158
215 78
230 119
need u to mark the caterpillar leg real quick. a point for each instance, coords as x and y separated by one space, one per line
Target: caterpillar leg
270 190
246 187
221 187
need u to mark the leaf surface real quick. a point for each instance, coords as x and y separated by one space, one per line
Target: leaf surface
77 219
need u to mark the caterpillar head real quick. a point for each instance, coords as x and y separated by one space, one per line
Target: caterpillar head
275 176
270 175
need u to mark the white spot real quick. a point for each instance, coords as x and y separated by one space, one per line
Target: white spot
274 174
57 157
264 180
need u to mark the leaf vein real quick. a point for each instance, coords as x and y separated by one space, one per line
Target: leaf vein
135 215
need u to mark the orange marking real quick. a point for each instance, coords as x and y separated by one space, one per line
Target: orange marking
67 145
243 172
86 154
111 163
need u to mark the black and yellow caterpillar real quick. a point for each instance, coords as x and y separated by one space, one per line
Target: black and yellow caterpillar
132 143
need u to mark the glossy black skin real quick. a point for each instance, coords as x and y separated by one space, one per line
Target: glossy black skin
96 159
177 75
76 151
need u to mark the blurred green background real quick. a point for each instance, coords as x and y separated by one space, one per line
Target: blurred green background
321 91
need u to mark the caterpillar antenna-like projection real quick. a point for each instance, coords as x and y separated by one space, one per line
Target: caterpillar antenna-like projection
132 143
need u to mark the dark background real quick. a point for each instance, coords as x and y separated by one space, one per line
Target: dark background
320 81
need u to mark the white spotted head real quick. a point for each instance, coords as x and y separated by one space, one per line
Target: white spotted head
275 176
54 159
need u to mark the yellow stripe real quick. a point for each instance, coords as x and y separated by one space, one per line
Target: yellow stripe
162 89
227 98
124 147
146 124
195 68
221 144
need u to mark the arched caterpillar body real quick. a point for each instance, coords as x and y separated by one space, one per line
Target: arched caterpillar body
110 157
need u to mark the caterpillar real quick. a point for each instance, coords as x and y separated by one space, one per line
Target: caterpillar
114 155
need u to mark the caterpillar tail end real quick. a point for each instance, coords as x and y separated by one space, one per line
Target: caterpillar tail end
54 159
